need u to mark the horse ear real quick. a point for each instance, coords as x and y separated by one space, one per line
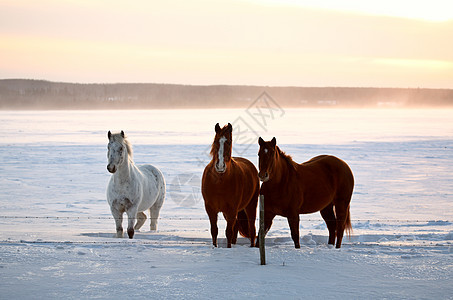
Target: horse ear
109 134
122 133
230 128
217 128
260 141
274 142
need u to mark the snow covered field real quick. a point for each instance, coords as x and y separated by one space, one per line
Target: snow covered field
56 237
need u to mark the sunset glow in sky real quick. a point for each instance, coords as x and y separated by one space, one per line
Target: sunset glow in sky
254 42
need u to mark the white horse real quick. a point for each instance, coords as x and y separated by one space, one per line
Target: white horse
132 189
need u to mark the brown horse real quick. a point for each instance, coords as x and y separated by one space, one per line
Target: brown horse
230 185
324 183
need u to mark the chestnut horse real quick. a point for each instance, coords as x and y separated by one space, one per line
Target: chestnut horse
324 183
230 185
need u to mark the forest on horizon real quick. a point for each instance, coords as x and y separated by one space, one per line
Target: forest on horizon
25 94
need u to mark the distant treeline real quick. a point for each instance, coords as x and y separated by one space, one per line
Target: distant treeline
39 94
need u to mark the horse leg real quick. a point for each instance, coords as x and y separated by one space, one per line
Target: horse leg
341 213
154 214
329 217
250 211
131 217
268 219
214 229
235 232
229 232
293 221
118 216
141 218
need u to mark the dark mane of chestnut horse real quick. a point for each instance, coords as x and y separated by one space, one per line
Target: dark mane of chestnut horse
227 146
287 158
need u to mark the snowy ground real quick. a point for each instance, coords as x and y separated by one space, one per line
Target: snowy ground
56 237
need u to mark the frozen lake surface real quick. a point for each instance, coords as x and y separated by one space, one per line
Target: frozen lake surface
56 235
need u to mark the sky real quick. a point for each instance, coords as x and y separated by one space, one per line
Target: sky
387 43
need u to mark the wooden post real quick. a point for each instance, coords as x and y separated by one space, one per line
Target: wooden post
261 232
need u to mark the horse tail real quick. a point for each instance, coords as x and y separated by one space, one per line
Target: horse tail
243 224
347 225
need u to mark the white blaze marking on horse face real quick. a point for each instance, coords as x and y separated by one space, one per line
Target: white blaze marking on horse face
265 150
220 166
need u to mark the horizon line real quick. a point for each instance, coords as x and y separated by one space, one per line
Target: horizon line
224 84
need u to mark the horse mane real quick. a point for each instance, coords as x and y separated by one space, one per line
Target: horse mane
287 158
215 147
117 137
128 145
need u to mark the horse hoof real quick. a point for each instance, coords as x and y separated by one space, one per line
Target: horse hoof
130 233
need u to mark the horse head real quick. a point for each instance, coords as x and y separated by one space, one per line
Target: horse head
267 156
221 147
117 151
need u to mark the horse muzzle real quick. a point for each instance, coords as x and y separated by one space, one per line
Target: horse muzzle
264 177
111 168
220 170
